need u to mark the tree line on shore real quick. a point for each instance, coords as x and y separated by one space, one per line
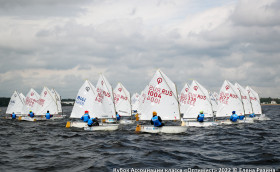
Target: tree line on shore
4 101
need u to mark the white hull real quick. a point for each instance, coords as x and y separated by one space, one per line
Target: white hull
126 122
108 127
39 118
164 129
246 120
109 120
228 122
199 124
76 124
27 118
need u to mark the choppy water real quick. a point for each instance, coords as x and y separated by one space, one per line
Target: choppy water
49 146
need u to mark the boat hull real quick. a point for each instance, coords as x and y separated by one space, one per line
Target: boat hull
164 129
76 124
107 127
228 122
40 118
199 124
126 122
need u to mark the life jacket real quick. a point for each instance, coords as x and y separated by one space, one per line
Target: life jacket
85 117
92 121
241 117
252 115
234 117
48 116
14 116
200 118
157 123
31 114
118 117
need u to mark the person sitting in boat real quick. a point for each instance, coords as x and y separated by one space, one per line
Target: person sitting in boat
48 115
234 117
118 116
85 117
241 117
252 115
156 120
13 115
200 117
31 114
93 122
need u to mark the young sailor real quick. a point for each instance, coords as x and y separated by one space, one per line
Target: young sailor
156 120
118 116
234 117
252 115
200 117
93 122
85 117
31 114
48 115
14 116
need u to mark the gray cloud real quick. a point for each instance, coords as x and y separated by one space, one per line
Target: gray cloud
36 9
61 50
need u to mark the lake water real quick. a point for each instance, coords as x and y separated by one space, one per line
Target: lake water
49 146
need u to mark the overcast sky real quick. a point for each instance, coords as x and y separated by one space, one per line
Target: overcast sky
60 43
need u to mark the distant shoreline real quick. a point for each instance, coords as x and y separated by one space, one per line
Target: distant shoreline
270 104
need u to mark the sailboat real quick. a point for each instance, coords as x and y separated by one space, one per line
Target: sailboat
15 105
246 103
103 105
31 104
198 100
135 102
57 97
142 99
229 100
122 103
160 96
184 98
214 101
84 102
256 106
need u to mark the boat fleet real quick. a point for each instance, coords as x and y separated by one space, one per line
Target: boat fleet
39 104
177 111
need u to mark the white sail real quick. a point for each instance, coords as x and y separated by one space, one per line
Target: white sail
31 101
229 100
198 100
135 101
245 99
22 97
162 98
103 103
15 105
122 100
255 100
47 102
84 100
214 102
142 99
184 98
58 99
